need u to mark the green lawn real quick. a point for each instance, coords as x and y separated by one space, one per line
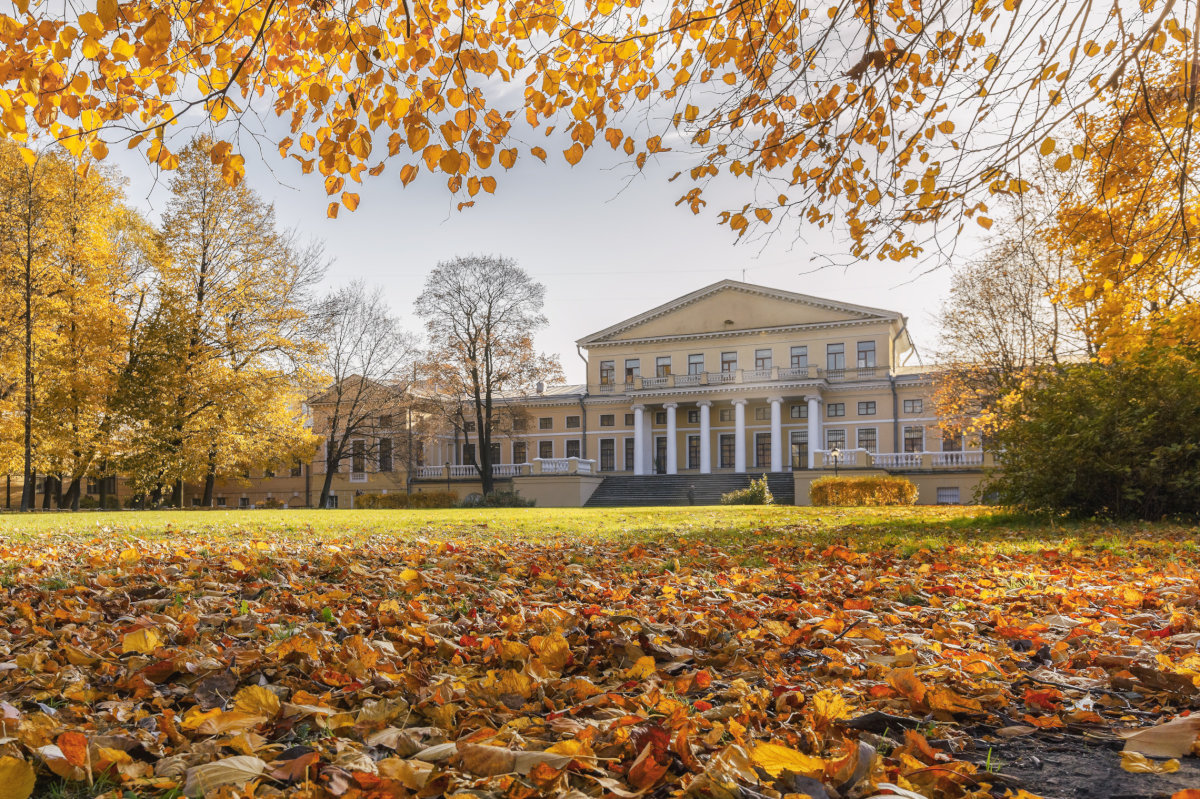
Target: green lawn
906 528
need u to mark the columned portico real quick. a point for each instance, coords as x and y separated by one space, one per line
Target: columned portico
639 439
776 434
739 436
672 450
814 428
705 435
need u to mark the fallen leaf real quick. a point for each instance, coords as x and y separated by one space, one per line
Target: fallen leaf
1137 763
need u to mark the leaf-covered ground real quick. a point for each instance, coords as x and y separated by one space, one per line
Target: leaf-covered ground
661 653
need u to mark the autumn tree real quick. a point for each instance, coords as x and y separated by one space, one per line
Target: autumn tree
31 205
895 121
481 313
367 360
223 354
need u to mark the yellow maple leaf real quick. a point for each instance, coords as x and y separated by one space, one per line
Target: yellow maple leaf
257 700
143 641
16 778
776 759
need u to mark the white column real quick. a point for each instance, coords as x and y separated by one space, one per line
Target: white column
814 429
672 450
639 440
739 436
776 434
705 438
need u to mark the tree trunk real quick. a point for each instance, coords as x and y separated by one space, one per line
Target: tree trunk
72 496
325 486
58 491
47 492
28 490
177 493
103 491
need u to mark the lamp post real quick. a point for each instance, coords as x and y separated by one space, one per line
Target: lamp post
836 454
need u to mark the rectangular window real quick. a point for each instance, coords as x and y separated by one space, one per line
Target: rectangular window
866 408
545 449
762 413
297 469
572 422
468 454
358 456
695 364
573 448
268 473
633 369
495 450
914 439
835 438
951 441
244 502
726 445
835 357
385 454
520 424
913 406
725 414
660 417
93 486
866 355
629 420
546 423
762 450
799 357
221 502
608 420
519 453
608 372
799 411
868 439
693 452
385 422
835 409
799 449
468 427
662 366
608 455
728 361
629 454
762 359
947 495
693 417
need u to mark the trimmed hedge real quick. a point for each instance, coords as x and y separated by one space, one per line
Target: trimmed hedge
425 499
863 491
498 499
757 494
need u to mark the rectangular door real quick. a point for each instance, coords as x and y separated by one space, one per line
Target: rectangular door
660 454
693 452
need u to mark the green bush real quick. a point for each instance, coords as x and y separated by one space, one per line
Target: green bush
88 502
498 499
427 499
859 491
270 503
757 494
1120 440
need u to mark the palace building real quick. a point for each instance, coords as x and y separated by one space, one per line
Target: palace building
698 395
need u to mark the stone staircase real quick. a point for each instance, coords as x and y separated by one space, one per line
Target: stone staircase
671 489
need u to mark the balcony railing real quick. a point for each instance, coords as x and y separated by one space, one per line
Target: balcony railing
958 459
897 460
738 376
861 458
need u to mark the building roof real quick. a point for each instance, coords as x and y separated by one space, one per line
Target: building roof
860 312
563 391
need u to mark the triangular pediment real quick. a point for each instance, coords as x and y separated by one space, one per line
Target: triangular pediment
731 306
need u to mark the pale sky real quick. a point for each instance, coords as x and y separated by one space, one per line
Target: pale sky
606 246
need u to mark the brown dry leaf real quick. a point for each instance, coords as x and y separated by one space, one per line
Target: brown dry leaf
235 771
1137 763
1173 739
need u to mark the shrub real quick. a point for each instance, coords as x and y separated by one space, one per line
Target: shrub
87 502
270 503
1119 440
498 499
427 499
873 491
757 494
